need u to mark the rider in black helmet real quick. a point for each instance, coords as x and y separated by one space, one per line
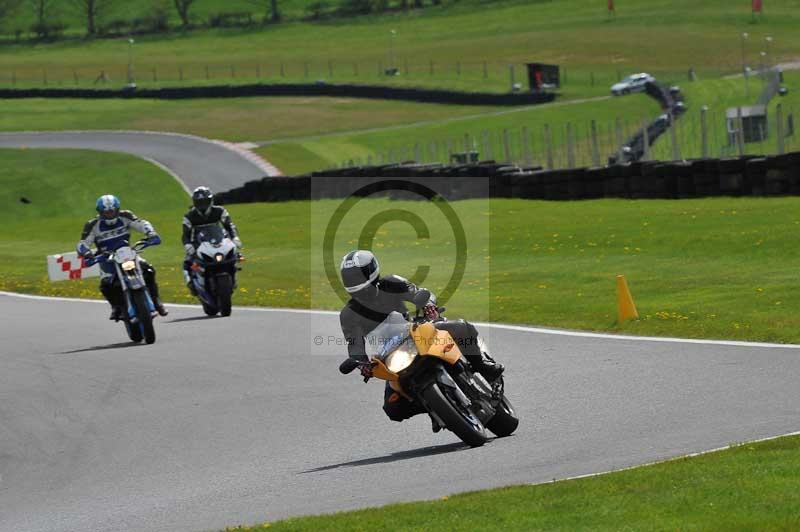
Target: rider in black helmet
202 213
373 298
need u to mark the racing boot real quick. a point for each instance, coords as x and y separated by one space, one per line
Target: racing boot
192 289
116 313
160 308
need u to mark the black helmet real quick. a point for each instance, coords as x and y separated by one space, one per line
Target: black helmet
202 199
359 269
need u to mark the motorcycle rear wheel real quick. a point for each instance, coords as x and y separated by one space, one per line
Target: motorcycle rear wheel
505 421
471 431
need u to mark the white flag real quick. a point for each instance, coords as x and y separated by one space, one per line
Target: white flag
68 266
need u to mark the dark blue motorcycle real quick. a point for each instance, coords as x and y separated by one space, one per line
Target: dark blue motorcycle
213 269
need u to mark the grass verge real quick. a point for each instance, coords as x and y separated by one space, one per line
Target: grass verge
706 268
753 486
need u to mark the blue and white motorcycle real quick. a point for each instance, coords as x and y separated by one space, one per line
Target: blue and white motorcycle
213 269
140 309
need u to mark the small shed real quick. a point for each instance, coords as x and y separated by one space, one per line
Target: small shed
542 76
753 124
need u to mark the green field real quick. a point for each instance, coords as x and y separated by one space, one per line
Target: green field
431 142
659 36
709 268
751 486
300 135
232 119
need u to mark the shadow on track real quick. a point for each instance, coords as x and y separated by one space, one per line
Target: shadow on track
193 318
118 345
395 457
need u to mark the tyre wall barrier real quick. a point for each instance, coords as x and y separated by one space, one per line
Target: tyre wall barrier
307 89
745 176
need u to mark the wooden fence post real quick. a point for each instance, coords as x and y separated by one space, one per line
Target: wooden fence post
704 132
526 146
673 138
645 141
506 147
570 147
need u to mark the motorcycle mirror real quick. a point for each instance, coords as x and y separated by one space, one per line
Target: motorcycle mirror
348 366
421 298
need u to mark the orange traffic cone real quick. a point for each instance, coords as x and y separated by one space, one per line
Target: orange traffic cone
626 309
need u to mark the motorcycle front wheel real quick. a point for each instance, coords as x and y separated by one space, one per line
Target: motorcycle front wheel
133 330
145 319
505 421
224 294
457 419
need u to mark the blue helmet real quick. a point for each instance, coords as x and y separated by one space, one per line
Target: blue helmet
107 206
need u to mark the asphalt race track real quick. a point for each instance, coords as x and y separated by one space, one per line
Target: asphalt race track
196 160
232 420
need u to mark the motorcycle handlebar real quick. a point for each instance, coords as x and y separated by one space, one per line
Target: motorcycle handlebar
348 366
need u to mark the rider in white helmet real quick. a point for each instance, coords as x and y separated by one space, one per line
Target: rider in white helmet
373 298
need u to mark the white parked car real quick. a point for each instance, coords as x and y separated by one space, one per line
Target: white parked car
633 83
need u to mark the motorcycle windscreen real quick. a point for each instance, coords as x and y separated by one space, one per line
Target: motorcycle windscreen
212 233
391 330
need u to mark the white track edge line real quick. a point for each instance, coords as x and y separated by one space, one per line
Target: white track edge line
520 328
668 460
175 176
132 131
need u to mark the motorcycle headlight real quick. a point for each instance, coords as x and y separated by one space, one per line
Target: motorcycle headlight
128 265
399 360
218 257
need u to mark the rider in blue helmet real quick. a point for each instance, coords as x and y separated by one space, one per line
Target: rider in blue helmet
108 231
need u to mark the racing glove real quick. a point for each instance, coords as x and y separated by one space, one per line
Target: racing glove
190 250
153 239
431 311
238 242
366 371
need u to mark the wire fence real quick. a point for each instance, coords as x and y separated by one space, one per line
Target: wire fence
694 135
475 75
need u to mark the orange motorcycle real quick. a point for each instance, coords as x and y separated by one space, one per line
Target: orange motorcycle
425 365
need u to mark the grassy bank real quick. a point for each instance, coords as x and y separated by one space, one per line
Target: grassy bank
484 133
749 487
233 119
708 268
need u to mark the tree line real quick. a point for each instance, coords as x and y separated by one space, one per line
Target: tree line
48 24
